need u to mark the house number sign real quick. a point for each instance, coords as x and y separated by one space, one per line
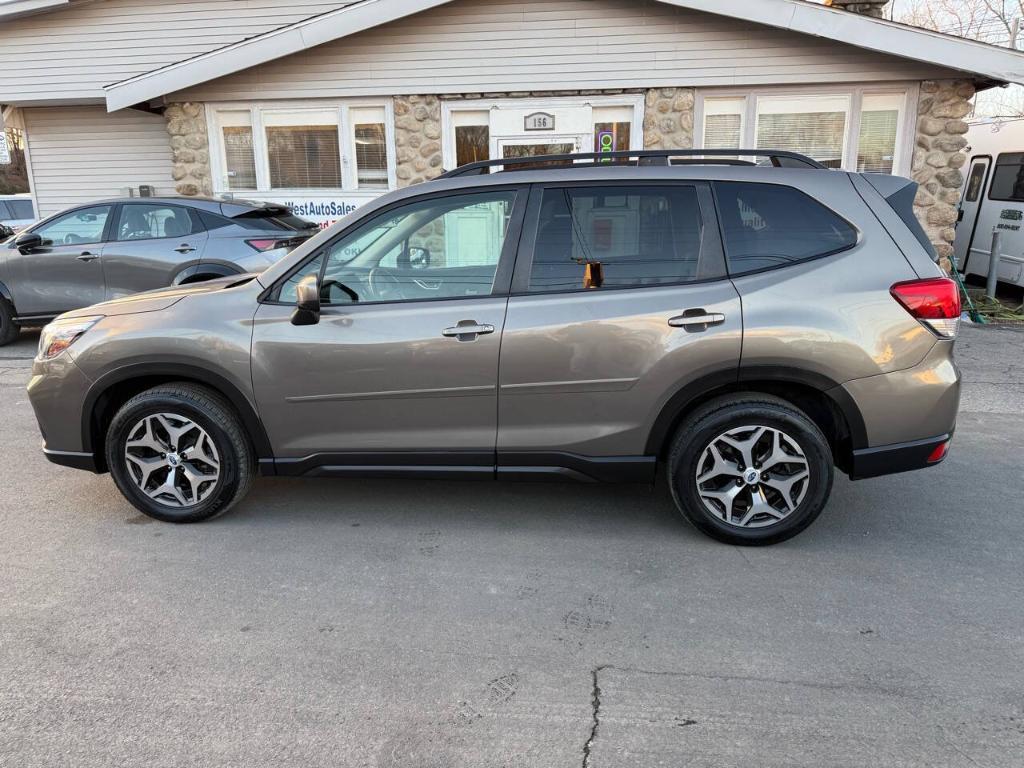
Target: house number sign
540 121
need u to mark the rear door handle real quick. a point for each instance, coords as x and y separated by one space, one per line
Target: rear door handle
467 330
86 256
184 248
696 320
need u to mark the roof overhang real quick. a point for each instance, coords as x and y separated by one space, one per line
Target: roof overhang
10 9
359 16
987 63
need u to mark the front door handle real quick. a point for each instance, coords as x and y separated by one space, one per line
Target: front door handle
184 248
467 330
86 256
696 320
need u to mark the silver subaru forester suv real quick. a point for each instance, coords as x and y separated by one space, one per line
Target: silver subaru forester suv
742 322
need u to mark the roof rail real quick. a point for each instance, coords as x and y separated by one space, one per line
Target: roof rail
660 157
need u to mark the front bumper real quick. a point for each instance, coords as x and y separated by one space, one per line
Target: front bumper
898 457
73 459
57 392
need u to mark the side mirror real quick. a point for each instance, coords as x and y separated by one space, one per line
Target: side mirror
5 232
307 306
419 258
28 242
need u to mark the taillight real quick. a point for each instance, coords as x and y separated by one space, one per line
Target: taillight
934 301
268 244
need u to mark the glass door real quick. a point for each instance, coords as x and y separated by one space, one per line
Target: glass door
507 149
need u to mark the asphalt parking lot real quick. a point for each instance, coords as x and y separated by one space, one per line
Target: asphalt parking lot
383 623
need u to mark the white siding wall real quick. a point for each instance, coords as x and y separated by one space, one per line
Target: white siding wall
79 154
72 53
500 45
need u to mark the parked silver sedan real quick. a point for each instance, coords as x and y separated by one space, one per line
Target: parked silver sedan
109 249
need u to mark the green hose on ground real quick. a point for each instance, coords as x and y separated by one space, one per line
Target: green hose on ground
972 311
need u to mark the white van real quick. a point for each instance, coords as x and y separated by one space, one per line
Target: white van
993 199
16 211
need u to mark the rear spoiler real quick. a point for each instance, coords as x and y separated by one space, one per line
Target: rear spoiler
236 208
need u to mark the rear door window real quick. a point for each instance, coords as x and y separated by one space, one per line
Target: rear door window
770 225
149 222
616 237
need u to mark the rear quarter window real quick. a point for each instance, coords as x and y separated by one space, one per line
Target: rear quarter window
771 225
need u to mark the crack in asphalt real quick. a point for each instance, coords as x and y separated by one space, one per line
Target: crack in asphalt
595 704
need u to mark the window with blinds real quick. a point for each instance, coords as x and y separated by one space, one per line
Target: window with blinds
812 125
370 147
723 123
879 129
302 149
820 125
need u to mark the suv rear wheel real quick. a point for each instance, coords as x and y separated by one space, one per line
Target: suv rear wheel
8 328
750 469
179 454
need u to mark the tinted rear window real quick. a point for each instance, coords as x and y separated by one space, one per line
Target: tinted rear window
902 202
770 225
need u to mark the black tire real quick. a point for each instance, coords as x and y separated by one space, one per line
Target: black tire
701 428
213 414
9 329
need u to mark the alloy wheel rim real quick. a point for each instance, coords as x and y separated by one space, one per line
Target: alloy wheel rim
172 460
752 476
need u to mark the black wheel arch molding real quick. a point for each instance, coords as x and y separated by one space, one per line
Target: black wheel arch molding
773 379
94 405
212 269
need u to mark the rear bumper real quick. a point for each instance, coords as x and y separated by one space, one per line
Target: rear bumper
898 457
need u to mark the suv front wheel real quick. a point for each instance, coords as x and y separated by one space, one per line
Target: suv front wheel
179 454
750 469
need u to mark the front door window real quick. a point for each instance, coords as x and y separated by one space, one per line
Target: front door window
85 225
440 248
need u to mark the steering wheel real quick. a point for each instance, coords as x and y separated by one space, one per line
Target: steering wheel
71 239
325 290
384 286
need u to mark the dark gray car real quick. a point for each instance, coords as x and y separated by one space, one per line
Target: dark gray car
744 330
114 248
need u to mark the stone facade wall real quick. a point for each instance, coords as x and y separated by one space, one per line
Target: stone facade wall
938 159
417 139
668 118
190 148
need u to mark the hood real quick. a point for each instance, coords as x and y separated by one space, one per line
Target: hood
162 298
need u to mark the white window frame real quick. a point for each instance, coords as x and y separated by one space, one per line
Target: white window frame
346 144
748 123
533 103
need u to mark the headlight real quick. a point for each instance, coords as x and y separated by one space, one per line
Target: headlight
61 334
